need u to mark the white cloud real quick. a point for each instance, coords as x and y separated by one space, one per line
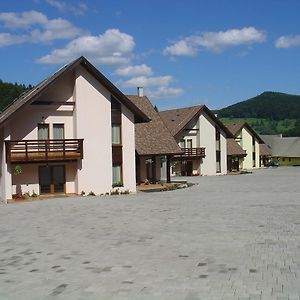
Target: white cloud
54 30
181 48
288 41
215 41
165 92
148 81
110 48
7 39
63 6
35 27
138 70
23 20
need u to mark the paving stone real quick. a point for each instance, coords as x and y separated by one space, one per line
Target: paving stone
229 237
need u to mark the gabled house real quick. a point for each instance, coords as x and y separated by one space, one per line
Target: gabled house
72 133
284 150
235 155
155 146
202 138
249 140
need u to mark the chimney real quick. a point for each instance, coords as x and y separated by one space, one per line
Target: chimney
140 91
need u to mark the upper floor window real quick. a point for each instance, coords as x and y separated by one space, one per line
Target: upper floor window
116 134
189 143
58 131
218 139
43 132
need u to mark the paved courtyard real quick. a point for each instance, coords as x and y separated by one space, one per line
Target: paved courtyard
228 237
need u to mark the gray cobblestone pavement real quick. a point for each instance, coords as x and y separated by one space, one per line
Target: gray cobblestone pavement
228 237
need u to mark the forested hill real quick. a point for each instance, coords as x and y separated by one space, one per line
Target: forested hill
268 105
10 91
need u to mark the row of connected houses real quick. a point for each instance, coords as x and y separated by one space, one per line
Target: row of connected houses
76 132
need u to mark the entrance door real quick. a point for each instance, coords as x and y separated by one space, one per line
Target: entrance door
189 168
52 179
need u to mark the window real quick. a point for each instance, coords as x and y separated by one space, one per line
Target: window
253 159
58 131
116 134
189 143
218 161
43 131
218 140
218 150
116 174
116 140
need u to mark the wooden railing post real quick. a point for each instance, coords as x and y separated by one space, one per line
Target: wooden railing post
26 150
46 149
64 149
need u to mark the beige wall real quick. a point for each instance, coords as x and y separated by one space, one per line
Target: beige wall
5 169
192 134
208 140
24 123
206 137
93 123
246 144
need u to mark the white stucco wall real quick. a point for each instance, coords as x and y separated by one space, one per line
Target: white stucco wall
93 123
128 143
191 134
5 168
208 140
24 123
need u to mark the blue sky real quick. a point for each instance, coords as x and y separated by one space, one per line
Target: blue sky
213 52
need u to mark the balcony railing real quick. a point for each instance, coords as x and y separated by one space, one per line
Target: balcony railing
191 153
43 150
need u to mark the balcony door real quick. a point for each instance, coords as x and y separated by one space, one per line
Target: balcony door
43 132
52 179
43 135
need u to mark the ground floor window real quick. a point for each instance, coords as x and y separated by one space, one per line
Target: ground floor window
253 159
117 174
218 161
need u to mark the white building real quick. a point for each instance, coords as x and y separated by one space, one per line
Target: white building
73 132
202 137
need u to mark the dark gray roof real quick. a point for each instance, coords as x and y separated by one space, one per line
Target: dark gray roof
152 138
31 95
283 146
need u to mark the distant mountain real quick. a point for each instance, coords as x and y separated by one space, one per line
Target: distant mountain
268 105
10 91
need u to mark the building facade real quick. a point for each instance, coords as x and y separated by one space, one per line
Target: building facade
249 140
72 133
202 138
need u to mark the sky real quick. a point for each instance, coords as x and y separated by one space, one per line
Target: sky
184 53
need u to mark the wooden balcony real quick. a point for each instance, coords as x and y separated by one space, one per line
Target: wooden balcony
191 153
30 151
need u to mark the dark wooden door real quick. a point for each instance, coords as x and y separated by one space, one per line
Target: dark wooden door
52 179
189 168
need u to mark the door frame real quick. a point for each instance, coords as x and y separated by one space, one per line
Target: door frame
51 179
